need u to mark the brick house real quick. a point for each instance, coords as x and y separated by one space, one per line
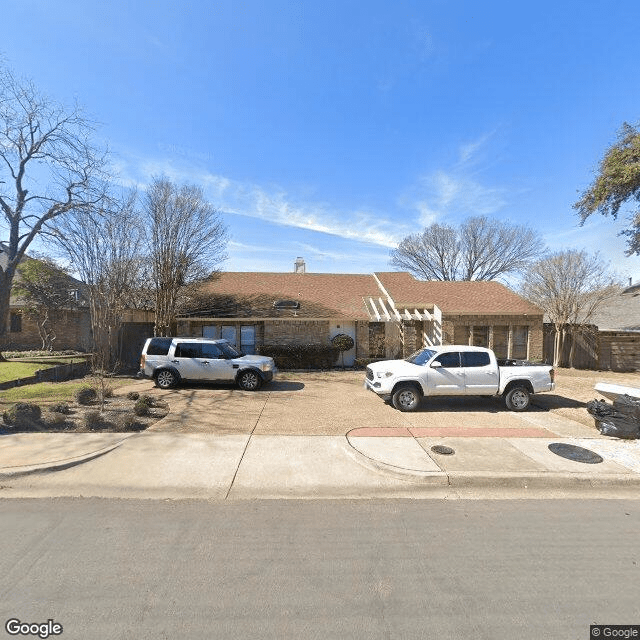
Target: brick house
72 326
388 314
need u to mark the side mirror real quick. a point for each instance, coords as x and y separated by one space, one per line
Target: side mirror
436 364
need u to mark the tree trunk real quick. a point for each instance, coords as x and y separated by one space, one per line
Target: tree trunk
557 348
5 297
572 349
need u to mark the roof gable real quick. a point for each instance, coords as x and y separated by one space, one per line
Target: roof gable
477 297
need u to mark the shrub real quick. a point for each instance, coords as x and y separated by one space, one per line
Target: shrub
23 415
301 356
86 395
105 391
133 395
55 419
141 408
342 342
92 420
61 407
148 400
125 422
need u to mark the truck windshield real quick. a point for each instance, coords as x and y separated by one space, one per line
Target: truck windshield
422 356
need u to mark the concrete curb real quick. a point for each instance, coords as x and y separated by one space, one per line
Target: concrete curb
542 480
56 465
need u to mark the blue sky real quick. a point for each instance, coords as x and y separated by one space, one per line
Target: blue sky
332 129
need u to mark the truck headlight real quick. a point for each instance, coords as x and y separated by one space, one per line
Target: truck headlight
386 374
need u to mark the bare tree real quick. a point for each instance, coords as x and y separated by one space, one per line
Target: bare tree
570 286
479 249
187 243
48 167
104 247
45 289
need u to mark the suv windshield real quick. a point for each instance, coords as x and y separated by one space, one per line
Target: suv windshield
228 350
420 357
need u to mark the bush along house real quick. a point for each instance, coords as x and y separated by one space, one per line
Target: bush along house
388 315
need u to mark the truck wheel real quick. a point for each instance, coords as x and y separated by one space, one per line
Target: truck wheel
166 379
517 399
406 398
249 381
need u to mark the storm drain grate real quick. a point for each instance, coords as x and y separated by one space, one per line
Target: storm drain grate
577 454
442 450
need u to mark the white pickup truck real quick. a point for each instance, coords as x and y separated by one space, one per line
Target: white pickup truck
456 370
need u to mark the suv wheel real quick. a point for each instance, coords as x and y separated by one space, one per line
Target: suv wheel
406 398
166 379
249 380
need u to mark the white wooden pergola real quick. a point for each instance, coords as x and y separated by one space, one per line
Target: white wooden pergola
381 310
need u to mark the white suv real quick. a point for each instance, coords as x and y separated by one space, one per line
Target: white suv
169 361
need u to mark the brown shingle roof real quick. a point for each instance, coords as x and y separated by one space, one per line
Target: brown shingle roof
324 295
477 297
335 295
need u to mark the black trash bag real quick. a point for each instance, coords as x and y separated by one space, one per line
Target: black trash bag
599 408
628 406
625 428
619 420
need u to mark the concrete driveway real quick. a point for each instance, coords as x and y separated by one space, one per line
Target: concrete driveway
336 403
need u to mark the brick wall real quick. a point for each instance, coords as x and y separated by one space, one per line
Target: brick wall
296 331
72 329
459 329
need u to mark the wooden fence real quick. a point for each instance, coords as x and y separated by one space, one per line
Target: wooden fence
594 349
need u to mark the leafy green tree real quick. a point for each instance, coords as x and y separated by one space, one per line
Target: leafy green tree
617 183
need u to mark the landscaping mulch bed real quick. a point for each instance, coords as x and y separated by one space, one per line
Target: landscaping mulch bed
114 414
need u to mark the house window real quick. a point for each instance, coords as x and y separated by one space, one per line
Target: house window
501 341
211 331
480 336
229 334
519 343
248 339
16 323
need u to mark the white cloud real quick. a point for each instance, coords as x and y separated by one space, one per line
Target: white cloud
470 150
456 192
275 205
441 195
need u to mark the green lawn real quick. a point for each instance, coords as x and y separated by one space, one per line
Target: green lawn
15 369
50 392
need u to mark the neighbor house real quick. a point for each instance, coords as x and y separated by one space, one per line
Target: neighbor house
71 325
388 314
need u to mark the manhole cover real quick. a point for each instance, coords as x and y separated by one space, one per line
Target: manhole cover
441 449
572 452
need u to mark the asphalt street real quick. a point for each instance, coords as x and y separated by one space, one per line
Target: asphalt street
320 569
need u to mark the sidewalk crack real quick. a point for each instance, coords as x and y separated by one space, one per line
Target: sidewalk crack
246 446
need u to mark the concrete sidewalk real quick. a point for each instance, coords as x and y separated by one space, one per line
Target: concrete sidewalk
320 436
228 467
